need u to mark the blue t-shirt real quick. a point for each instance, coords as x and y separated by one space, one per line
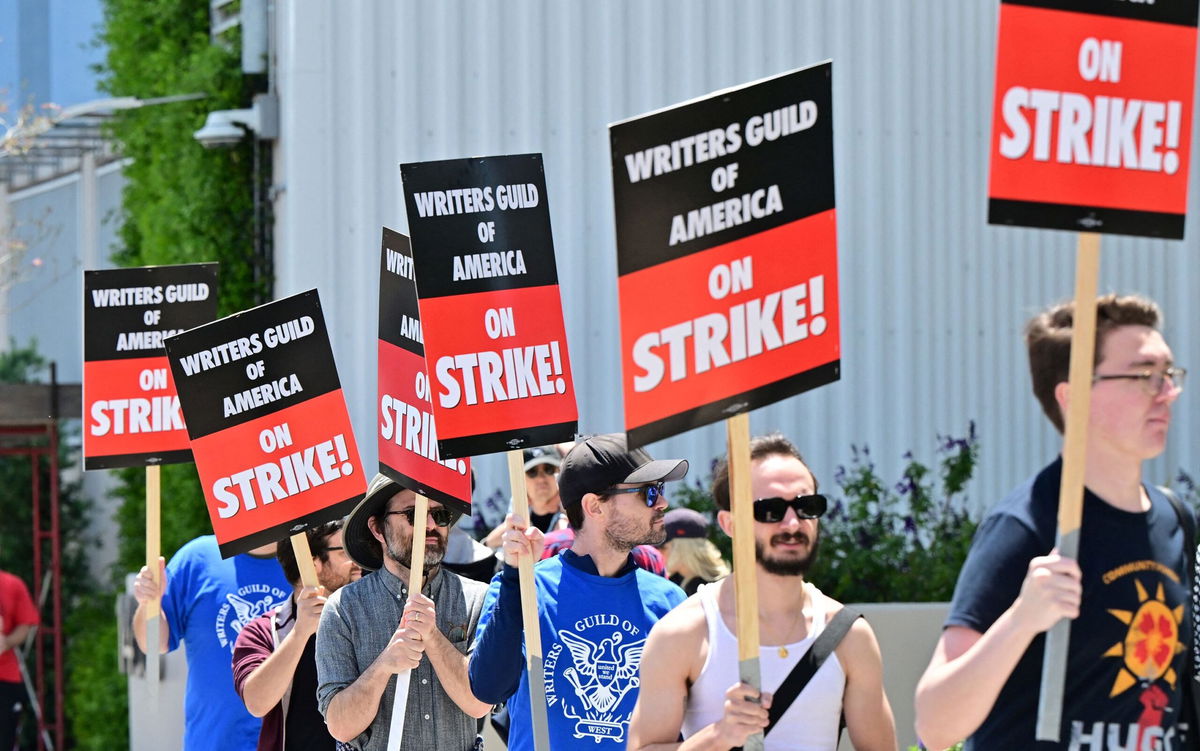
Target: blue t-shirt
1127 657
593 631
208 600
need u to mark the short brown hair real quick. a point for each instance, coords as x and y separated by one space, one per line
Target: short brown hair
1048 339
772 444
318 543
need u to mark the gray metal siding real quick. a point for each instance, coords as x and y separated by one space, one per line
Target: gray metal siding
933 299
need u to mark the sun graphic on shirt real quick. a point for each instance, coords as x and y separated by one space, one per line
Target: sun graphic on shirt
1151 642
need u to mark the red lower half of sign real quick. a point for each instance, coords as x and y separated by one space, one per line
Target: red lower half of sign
498 363
1089 113
274 472
716 326
408 440
131 414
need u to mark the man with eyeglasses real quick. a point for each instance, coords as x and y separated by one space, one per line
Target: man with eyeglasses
374 628
690 685
1126 593
274 658
541 490
595 605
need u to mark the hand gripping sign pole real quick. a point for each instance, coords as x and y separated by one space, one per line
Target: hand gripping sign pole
529 612
1070 493
745 583
416 568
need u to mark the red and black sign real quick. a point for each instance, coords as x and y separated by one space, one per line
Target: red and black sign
268 422
408 450
1092 120
495 342
726 253
131 414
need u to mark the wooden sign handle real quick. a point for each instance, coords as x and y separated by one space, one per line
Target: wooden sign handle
535 668
153 552
416 570
1070 493
304 560
745 579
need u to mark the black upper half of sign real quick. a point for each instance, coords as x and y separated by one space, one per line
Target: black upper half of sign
397 295
310 358
801 165
103 325
437 240
1179 12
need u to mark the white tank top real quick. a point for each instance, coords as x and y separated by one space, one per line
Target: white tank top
810 724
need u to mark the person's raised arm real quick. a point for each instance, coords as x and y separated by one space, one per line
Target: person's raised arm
969 669
269 678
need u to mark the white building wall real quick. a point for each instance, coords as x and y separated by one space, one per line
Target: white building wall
933 299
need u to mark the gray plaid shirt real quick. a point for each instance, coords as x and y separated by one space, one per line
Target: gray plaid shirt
356 625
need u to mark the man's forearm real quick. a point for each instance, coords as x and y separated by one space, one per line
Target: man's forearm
139 629
265 687
451 668
353 710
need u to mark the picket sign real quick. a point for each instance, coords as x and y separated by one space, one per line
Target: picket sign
529 613
1070 492
126 314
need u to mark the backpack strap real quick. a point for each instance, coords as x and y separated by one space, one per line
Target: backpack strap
810 662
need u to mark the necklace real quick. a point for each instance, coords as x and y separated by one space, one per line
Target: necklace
782 648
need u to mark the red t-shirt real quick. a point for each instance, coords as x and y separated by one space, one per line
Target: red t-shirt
16 608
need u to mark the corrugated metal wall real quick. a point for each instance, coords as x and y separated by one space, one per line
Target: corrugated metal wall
933 298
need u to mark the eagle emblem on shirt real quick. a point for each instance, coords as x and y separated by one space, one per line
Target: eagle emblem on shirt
602 672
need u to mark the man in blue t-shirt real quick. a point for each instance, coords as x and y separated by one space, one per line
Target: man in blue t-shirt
206 600
1127 590
595 606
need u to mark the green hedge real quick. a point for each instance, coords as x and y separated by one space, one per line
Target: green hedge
182 204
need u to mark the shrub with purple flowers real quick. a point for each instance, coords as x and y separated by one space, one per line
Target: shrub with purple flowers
902 541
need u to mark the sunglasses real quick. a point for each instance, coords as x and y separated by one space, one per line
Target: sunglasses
541 469
652 492
772 510
439 516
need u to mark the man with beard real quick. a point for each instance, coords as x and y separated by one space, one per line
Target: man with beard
595 606
274 664
690 684
374 628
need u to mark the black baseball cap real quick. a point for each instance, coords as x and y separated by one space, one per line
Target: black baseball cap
600 462
685 522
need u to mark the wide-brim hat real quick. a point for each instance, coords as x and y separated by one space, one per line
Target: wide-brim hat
360 544
602 461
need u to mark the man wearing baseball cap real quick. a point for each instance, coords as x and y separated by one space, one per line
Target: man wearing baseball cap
595 606
541 489
373 629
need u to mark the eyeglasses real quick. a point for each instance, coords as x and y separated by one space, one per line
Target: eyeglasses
541 469
652 492
439 516
339 547
772 510
1152 380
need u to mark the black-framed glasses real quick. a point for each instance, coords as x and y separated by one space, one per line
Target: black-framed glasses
339 547
1152 380
772 510
541 469
439 516
650 493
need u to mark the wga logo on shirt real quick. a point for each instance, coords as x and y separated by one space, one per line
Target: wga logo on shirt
243 606
592 676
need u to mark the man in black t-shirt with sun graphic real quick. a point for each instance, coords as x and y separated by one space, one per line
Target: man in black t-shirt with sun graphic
1127 592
